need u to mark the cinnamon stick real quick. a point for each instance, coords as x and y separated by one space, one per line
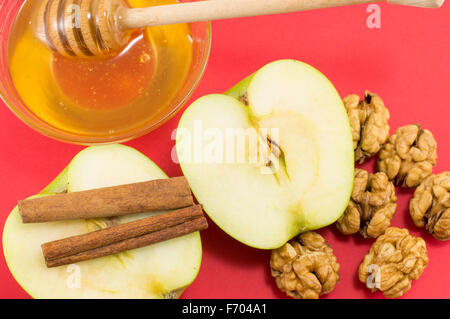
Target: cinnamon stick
103 237
182 229
155 195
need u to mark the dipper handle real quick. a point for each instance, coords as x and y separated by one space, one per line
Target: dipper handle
225 9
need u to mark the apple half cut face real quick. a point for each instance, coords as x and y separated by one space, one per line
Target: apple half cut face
271 158
161 270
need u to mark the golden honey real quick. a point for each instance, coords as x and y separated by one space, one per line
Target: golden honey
100 97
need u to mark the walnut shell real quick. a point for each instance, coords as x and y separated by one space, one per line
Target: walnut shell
306 267
430 206
369 123
371 207
394 260
409 155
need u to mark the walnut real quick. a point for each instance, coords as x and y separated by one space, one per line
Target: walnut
369 122
430 206
306 267
409 155
394 260
371 207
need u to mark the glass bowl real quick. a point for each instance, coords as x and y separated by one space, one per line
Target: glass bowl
201 36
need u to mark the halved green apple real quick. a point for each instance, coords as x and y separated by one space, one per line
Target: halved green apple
304 182
157 271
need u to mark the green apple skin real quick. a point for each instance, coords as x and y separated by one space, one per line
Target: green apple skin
58 185
264 222
132 274
239 90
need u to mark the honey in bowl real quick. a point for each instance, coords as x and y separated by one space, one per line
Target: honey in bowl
99 97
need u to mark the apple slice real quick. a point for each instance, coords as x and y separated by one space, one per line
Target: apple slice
157 271
58 185
293 109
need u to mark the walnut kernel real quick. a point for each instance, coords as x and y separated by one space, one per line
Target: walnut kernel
369 123
371 207
430 206
306 267
409 155
394 260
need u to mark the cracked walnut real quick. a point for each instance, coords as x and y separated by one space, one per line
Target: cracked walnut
394 260
306 267
371 207
430 206
409 155
369 123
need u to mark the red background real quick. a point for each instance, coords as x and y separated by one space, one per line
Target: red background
406 62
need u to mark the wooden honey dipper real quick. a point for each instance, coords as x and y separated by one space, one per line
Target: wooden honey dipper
85 28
